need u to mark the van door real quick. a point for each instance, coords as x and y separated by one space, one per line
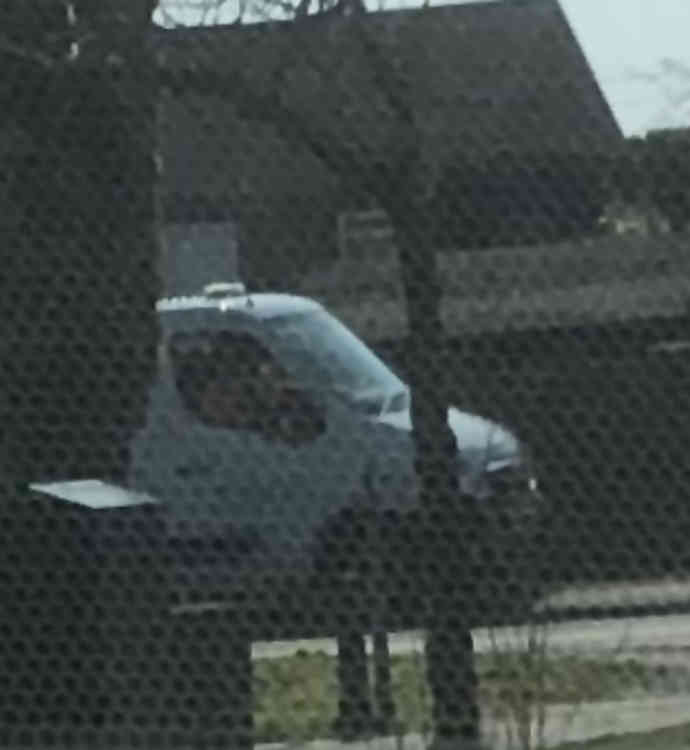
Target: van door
255 454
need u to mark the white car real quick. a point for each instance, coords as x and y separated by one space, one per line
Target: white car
271 426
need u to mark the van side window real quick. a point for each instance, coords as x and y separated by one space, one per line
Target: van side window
230 380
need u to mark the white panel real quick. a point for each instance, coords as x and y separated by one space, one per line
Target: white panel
93 493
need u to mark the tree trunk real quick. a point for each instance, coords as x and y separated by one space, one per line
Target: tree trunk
355 715
77 342
383 684
449 522
79 263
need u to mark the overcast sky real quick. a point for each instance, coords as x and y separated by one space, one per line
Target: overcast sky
639 51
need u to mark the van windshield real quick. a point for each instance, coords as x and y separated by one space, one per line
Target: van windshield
323 353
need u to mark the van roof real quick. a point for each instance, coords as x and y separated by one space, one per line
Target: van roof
259 306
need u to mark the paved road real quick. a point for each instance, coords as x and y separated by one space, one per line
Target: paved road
666 593
671 631
586 636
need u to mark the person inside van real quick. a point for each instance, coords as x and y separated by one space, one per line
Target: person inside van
234 382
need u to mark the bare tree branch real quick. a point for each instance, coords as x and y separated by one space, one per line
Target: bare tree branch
15 50
167 17
216 14
214 7
241 11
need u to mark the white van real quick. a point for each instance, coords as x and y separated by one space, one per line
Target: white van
268 420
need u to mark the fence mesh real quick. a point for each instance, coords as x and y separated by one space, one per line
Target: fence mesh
451 399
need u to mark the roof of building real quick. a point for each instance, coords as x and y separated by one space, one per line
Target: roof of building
482 77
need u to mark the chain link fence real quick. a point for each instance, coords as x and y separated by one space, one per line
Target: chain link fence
320 321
